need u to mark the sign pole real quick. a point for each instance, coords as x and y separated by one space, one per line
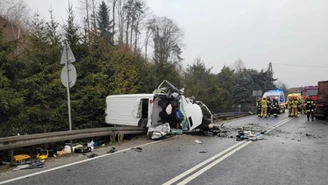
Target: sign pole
68 95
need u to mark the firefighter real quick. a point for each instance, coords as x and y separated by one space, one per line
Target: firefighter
295 102
269 106
303 105
258 106
264 107
309 107
290 105
275 106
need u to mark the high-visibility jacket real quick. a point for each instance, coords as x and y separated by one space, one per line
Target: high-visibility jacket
290 103
309 105
258 103
295 103
264 103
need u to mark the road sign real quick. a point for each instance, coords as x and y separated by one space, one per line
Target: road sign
257 93
67 55
68 78
71 78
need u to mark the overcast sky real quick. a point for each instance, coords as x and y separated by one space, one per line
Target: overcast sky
292 34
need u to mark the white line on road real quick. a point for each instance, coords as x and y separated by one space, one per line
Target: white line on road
219 157
74 163
202 164
278 124
193 176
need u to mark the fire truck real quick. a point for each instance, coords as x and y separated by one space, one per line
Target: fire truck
311 91
321 109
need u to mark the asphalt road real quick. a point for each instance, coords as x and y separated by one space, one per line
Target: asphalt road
293 151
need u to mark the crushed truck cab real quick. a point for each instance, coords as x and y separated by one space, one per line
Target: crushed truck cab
163 112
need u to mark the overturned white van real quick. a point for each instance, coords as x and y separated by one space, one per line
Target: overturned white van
164 111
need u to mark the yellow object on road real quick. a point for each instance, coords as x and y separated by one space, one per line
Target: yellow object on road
21 157
42 154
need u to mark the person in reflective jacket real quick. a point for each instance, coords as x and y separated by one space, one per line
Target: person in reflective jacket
269 106
290 105
275 106
309 107
295 103
258 106
264 107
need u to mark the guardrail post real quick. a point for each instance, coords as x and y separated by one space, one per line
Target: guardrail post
11 156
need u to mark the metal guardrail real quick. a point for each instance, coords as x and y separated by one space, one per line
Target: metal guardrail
229 114
8 143
36 139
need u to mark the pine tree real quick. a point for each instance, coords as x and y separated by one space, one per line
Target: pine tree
104 24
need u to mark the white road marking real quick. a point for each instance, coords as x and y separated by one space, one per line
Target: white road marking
278 124
74 163
201 171
202 164
219 157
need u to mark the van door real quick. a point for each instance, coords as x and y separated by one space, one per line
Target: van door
193 112
143 112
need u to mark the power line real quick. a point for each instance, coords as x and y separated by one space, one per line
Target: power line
299 65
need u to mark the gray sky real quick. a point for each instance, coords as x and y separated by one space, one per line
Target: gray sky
284 32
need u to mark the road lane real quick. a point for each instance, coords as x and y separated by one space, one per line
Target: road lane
295 153
156 164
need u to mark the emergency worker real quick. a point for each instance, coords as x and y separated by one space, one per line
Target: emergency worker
303 105
290 105
275 106
295 103
309 106
269 106
264 107
258 106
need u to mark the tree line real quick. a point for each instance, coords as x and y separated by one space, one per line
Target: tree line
120 49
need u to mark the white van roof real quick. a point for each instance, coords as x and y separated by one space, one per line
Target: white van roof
131 95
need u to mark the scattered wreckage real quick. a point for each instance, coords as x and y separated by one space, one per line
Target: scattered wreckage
165 111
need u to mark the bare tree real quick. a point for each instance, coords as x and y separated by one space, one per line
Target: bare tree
113 31
120 15
238 65
17 12
93 16
167 40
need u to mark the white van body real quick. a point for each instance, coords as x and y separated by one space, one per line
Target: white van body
124 109
163 111
280 95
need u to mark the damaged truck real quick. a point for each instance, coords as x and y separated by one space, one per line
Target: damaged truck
165 111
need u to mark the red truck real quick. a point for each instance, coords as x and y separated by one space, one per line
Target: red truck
311 91
321 110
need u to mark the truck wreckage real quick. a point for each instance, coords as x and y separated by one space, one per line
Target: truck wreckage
165 111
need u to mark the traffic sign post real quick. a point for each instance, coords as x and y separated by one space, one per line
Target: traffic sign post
68 78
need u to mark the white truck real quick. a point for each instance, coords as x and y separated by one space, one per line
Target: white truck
164 111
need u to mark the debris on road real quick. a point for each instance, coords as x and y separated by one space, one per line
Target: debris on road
31 165
91 155
198 142
248 135
203 152
112 150
137 149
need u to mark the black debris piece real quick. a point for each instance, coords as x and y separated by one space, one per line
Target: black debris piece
113 150
91 155
137 149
